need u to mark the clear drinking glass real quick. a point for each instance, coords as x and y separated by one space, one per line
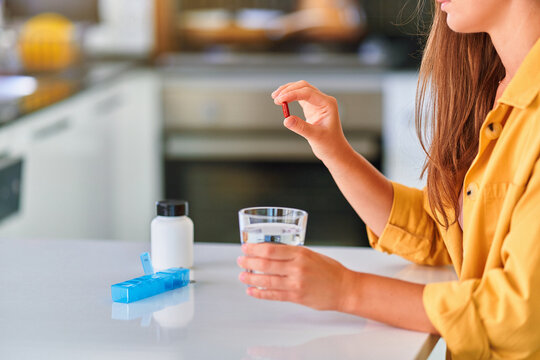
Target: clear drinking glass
272 224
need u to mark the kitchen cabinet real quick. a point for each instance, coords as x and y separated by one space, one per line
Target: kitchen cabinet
403 156
136 157
63 177
91 163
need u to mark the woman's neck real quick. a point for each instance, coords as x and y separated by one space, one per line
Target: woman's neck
515 35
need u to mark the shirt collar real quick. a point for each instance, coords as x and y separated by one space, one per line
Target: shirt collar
525 85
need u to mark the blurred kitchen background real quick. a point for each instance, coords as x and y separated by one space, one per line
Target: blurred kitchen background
109 105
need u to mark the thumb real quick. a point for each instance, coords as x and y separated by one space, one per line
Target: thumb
299 126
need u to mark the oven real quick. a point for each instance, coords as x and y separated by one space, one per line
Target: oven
226 148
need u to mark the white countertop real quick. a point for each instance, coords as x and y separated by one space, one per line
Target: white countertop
55 303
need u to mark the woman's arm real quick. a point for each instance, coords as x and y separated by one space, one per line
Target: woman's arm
391 301
364 187
299 275
412 232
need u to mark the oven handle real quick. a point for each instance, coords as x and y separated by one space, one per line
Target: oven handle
208 147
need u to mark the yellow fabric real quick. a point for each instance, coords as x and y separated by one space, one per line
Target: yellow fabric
493 310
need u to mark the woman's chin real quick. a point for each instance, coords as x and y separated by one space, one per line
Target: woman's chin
458 26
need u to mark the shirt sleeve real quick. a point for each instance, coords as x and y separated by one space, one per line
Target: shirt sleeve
411 232
498 315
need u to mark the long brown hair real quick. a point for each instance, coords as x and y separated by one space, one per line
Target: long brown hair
457 85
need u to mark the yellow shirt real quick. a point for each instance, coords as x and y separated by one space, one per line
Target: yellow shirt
493 311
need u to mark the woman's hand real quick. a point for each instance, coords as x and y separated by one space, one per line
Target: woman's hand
295 274
302 276
322 127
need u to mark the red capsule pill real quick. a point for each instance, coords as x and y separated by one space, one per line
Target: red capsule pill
286 112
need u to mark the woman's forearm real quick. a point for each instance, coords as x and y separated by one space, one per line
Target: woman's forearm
391 301
365 188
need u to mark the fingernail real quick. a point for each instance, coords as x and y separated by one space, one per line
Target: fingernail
243 275
249 291
239 259
244 247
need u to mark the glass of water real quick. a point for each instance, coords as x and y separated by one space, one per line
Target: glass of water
272 224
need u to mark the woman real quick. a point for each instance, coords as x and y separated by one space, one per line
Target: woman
480 211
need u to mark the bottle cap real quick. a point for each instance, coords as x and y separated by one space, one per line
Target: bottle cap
172 208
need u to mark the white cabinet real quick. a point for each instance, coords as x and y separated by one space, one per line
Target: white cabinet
136 157
62 177
403 156
92 164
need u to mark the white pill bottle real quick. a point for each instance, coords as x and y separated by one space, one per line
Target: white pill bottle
172 235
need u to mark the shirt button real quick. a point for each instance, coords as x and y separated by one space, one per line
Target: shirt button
471 191
493 130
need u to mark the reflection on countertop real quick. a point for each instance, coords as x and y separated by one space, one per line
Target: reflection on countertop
23 94
170 310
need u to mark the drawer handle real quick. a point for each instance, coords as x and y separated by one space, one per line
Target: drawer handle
107 105
52 129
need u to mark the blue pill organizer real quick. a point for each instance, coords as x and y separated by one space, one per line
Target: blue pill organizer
149 285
